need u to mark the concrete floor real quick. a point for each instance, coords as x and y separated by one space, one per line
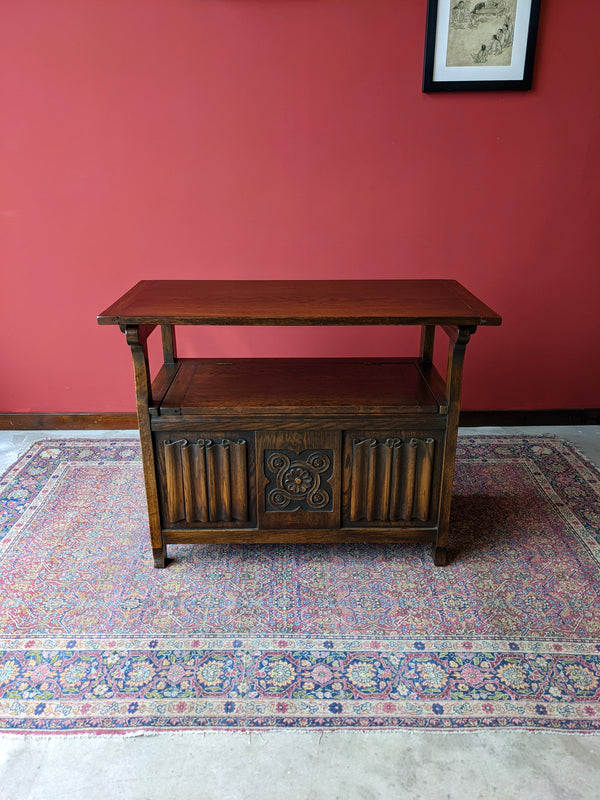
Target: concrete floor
278 765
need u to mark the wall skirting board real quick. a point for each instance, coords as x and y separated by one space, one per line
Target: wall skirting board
471 419
550 416
67 422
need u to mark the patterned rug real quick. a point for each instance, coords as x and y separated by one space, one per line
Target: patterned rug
93 639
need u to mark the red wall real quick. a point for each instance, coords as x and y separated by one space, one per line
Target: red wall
289 138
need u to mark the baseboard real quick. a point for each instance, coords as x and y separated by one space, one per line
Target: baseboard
469 419
67 422
557 416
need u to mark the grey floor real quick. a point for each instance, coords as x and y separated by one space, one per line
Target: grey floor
278 765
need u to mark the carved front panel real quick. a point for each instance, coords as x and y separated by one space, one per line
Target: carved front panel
205 480
391 480
299 479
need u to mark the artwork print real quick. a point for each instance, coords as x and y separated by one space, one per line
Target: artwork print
480 32
480 44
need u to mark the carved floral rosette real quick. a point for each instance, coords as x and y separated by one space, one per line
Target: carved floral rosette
298 480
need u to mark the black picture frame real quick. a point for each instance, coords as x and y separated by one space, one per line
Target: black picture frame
443 21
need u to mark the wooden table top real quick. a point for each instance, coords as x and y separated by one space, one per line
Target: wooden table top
327 302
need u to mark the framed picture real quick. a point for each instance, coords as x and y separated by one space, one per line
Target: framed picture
480 44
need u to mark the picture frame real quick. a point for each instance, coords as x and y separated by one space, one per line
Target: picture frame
480 44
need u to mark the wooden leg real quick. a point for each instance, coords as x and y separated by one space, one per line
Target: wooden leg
160 557
440 556
137 339
459 338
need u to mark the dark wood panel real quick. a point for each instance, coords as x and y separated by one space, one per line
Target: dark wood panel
350 385
360 302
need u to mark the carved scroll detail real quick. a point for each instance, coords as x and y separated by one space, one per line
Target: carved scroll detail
206 481
298 480
391 480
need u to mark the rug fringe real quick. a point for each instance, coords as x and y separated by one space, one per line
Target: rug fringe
12 736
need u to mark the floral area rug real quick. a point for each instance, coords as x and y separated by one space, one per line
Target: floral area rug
93 639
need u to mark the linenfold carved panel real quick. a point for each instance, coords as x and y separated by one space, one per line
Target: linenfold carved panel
391 480
206 480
